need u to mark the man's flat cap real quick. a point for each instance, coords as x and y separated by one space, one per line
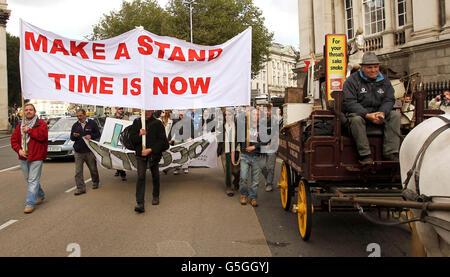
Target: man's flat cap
370 58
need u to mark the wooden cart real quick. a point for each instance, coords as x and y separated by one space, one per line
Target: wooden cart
322 169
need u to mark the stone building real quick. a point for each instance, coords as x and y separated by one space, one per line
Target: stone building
408 35
277 73
4 16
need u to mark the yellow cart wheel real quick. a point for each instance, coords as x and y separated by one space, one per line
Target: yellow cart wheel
304 210
285 185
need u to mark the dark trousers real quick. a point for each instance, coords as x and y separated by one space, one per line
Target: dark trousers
121 173
91 162
142 164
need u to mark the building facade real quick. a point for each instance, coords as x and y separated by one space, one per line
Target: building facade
409 36
277 73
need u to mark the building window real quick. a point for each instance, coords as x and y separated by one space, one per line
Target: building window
401 13
442 16
349 18
374 16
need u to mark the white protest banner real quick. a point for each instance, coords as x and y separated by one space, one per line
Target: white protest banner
199 152
137 69
111 131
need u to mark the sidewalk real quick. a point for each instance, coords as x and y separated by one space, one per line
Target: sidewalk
5 134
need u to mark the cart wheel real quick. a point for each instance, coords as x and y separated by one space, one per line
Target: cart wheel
304 210
286 189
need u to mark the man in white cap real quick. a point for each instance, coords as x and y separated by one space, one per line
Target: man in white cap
369 100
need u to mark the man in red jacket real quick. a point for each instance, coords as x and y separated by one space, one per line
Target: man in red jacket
32 157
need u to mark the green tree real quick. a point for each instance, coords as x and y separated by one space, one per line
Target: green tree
146 13
12 53
216 21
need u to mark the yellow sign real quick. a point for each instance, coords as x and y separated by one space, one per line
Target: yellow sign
336 62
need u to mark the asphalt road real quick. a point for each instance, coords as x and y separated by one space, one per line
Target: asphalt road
195 219
8 158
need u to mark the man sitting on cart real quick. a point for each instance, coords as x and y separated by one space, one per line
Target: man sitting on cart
369 100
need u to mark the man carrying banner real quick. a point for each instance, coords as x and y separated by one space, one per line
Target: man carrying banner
120 114
155 143
32 152
229 155
250 159
269 124
84 128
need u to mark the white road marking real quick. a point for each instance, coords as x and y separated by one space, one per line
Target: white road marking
71 189
5 146
12 221
11 168
75 187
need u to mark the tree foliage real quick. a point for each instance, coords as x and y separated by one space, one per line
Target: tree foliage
146 13
12 53
214 22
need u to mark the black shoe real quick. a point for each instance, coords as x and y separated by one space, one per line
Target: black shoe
124 178
79 191
391 157
95 186
117 174
139 208
155 201
365 160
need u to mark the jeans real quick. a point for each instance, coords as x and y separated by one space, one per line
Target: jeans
249 164
32 173
142 164
268 169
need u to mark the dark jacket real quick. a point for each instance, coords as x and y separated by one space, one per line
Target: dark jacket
91 128
37 147
208 122
258 144
155 139
363 96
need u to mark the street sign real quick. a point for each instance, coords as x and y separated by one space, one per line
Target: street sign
336 62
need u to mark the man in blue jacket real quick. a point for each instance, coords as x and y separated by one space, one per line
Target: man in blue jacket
369 100
88 129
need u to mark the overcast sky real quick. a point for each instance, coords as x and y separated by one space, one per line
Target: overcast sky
75 18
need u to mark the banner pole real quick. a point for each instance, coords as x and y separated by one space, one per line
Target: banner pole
143 127
24 136
247 139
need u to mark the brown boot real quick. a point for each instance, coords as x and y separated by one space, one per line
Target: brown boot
28 210
254 203
40 200
244 200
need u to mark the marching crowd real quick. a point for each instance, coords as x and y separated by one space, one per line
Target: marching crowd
243 154
248 138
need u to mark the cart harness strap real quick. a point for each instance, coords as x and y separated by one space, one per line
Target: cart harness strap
396 132
423 218
415 169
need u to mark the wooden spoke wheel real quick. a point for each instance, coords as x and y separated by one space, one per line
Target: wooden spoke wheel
286 189
304 210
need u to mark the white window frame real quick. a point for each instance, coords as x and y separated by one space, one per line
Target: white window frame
347 19
377 20
397 15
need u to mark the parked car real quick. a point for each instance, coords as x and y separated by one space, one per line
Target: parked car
59 143
52 120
